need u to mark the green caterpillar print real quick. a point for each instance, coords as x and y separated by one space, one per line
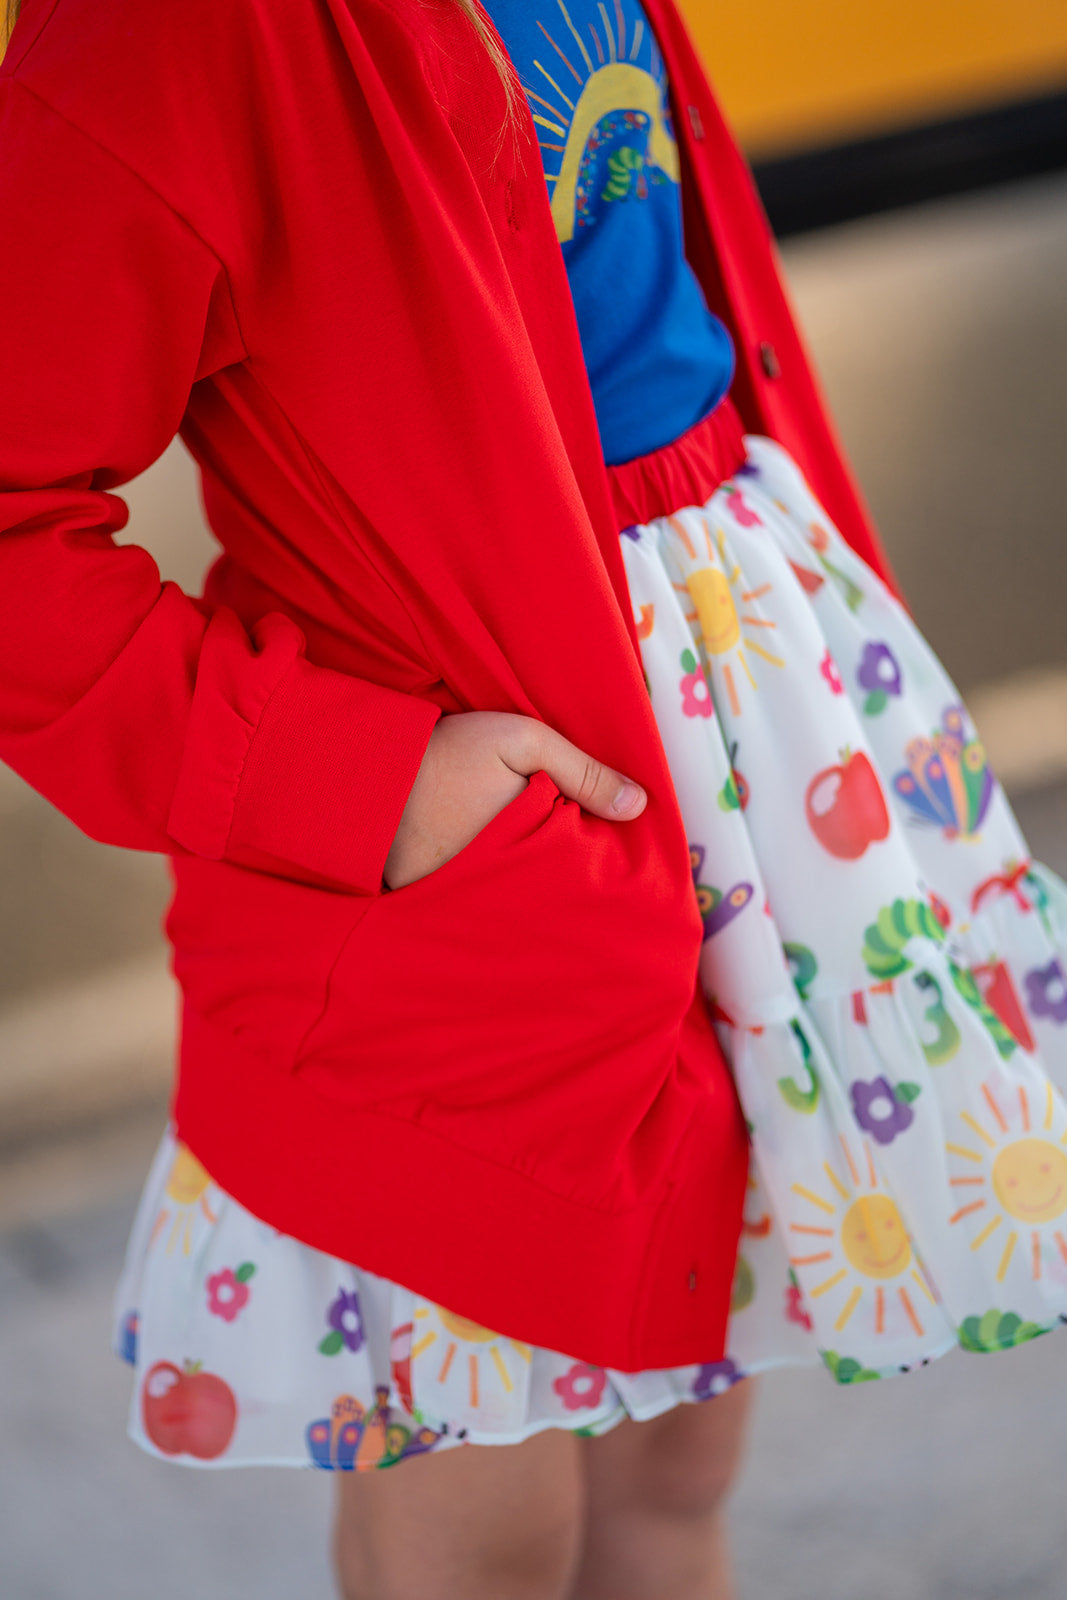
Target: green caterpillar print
1003 1038
997 1330
883 953
884 940
629 175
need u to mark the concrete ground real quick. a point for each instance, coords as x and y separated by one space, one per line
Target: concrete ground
942 337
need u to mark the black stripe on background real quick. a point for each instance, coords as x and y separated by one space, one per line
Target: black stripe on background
817 187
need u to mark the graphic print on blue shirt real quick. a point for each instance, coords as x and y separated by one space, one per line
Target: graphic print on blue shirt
657 359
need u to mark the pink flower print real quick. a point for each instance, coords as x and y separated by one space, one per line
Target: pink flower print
696 696
735 504
228 1291
582 1386
794 1306
828 668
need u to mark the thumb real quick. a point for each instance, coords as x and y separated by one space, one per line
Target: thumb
597 788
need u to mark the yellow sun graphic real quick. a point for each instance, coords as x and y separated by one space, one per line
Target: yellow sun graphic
1026 1181
578 92
187 1185
853 1244
709 591
434 1325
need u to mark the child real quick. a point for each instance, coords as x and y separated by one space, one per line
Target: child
548 736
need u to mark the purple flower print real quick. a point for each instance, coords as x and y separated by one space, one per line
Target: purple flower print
715 1377
346 1325
881 1110
1046 992
696 696
879 673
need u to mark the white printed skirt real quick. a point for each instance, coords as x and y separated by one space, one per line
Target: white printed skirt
885 967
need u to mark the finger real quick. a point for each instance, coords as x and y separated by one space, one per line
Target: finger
597 788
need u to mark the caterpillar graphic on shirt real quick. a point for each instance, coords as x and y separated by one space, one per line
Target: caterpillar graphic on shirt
598 97
598 92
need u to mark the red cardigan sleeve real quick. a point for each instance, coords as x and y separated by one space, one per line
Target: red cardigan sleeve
149 719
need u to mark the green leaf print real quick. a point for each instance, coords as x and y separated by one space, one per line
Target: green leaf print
245 1271
744 1286
845 1369
998 1330
850 592
875 702
907 1092
729 798
1039 895
332 1344
689 661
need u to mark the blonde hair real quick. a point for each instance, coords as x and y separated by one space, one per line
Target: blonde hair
474 13
10 16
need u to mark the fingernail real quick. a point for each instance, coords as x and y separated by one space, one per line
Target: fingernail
626 798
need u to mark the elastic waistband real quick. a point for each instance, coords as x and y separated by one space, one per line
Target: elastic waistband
683 473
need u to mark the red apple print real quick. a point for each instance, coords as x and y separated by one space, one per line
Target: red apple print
1001 996
846 808
191 1412
735 504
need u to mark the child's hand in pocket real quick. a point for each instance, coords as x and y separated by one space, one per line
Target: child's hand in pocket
475 764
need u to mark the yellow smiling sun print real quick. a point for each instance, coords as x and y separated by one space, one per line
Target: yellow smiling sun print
709 591
1024 1178
436 1327
187 1185
852 1244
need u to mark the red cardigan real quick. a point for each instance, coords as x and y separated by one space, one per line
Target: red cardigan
277 229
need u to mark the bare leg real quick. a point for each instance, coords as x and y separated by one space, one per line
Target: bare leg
655 1493
480 1522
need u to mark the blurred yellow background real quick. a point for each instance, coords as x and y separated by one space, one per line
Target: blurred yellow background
794 73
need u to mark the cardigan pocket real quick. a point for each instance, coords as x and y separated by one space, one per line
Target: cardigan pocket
253 952
532 984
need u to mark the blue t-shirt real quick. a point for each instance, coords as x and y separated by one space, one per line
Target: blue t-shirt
657 359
